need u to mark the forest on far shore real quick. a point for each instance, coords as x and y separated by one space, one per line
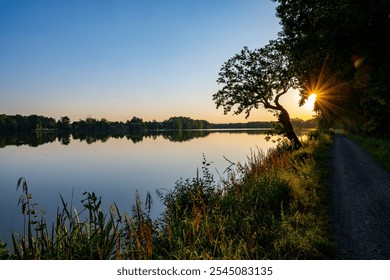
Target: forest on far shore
19 123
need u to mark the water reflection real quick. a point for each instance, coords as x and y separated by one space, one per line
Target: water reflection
38 138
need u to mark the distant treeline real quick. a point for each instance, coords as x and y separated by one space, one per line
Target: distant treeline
18 123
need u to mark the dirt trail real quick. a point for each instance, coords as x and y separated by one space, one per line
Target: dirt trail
361 203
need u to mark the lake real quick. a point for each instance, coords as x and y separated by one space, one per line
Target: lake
112 167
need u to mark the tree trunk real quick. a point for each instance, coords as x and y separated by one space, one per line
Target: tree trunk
284 119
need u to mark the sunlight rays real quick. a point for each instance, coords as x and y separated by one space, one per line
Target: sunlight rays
325 93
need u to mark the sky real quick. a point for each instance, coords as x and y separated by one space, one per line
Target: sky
152 59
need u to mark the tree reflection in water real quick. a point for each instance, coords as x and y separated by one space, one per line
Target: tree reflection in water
38 138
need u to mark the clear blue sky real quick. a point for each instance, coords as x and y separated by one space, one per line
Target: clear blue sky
118 59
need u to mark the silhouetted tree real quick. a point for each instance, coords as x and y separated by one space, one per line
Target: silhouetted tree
136 124
258 78
64 123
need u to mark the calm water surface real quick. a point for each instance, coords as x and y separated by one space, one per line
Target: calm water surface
113 169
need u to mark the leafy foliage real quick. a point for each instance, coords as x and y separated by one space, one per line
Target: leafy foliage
258 78
341 50
254 78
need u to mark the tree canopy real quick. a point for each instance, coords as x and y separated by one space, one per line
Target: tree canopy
258 78
340 49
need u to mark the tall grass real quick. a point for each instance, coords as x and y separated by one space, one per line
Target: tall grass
271 207
68 237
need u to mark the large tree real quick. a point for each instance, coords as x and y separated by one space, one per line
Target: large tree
258 78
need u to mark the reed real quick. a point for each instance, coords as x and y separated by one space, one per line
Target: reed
4 251
69 237
271 207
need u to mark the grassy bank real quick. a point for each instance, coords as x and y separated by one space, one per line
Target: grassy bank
377 148
272 207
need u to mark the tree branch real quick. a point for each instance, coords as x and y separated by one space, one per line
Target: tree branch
268 105
276 100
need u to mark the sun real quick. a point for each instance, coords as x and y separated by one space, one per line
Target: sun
309 103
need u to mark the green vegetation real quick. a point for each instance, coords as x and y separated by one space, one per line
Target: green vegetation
18 123
377 148
272 207
258 79
339 50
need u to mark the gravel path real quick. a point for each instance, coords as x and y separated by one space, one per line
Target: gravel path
361 203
